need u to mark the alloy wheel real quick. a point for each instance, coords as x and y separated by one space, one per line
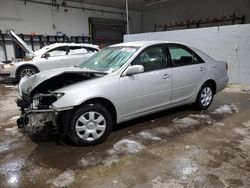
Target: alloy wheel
27 72
206 96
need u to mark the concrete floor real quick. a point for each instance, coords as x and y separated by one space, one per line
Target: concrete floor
176 148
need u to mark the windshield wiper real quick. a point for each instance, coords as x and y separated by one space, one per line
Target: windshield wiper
94 71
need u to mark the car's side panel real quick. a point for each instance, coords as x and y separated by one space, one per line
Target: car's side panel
51 63
186 81
217 70
189 72
144 92
106 87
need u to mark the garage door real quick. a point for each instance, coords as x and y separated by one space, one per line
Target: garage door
105 32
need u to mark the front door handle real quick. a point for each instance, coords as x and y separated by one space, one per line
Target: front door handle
166 76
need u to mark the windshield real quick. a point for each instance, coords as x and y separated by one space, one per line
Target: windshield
109 59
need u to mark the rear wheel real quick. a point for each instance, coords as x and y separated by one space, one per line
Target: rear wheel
91 124
26 71
205 97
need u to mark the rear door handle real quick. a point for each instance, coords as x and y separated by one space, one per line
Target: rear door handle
202 69
166 76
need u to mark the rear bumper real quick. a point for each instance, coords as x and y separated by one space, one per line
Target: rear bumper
222 83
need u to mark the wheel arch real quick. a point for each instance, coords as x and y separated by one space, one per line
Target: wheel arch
106 103
212 83
25 65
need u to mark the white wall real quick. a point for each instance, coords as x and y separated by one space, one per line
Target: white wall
218 42
37 18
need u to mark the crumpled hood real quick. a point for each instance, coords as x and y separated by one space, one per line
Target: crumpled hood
27 85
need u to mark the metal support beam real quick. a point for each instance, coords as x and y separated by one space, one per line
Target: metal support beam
127 17
32 42
76 7
4 46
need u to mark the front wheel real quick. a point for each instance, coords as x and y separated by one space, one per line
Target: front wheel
205 97
91 124
26 71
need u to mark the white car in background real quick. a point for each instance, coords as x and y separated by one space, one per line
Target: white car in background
49 57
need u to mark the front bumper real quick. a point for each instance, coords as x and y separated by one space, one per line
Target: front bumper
6 77
37 112
37 119
6 74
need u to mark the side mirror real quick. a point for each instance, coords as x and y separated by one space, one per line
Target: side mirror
135 69
46 56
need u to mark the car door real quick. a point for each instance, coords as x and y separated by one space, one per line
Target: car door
148 91
188 70
76 55
54 58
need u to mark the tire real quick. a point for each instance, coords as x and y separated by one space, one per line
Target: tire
26 71
205 97
84 129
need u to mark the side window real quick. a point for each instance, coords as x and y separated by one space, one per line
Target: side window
181 56
153 58
92 50
59 51
77 50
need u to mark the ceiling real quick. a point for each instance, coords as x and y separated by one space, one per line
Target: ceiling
138 5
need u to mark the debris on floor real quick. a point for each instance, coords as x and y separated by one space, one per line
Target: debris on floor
14 131
64 179
228 109
147 135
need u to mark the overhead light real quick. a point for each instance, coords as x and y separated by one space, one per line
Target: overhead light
153 2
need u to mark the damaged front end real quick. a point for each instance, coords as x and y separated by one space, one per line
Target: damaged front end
38 112
38 93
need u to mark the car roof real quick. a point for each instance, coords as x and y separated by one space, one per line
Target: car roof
143 43
72 44
55 45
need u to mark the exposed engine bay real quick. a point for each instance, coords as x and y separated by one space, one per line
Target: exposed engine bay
35 107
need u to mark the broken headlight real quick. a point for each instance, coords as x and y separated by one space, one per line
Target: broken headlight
44 101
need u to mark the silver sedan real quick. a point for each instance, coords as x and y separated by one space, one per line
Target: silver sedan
119 83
